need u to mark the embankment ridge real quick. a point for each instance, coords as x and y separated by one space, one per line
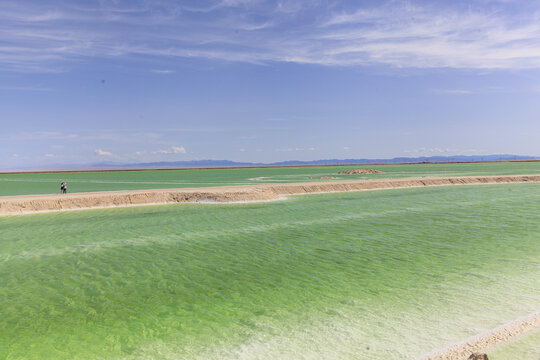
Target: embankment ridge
487 340
361 172
25 204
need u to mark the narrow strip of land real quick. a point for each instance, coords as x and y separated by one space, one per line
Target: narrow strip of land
487 340
26 204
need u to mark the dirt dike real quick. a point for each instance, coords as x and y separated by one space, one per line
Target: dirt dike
361 172
25 204
489 339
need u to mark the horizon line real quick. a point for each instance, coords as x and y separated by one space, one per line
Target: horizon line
263 166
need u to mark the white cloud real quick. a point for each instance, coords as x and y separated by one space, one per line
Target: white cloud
393 33
242 150
454 91
44 135
293 149
49 155
171 150
423 151
178 150
439 151
90 135
100 152
419 151
430 37
157 71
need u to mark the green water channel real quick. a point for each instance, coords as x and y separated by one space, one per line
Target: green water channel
526 347
362 275
49 183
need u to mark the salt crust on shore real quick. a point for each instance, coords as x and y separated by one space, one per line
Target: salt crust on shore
27 204
487 339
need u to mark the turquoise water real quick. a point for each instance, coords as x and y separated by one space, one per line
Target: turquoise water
20 184
364 275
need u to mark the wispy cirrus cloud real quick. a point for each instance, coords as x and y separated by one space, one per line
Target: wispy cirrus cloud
434 151
311 148
397 34
162 71
41 135
87 135
454 91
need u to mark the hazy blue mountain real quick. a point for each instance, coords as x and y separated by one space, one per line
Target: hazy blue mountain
398 160
109 165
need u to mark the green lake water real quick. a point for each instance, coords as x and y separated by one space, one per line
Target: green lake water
362 275
48 183
526 347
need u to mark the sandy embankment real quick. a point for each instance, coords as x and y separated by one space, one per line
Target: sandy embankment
26 204
361 172
487 340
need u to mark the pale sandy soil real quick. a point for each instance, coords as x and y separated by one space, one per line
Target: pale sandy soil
25 204
361 171
487 340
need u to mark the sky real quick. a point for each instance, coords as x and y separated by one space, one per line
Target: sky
93 81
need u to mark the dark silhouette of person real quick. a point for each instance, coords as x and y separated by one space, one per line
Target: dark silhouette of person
63 187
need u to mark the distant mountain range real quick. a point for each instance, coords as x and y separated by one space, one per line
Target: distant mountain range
194 164
228 163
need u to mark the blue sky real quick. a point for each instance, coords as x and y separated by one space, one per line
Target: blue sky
263 81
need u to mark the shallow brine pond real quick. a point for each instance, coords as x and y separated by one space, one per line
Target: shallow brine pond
361 275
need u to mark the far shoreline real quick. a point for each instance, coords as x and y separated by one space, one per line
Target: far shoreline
121 169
